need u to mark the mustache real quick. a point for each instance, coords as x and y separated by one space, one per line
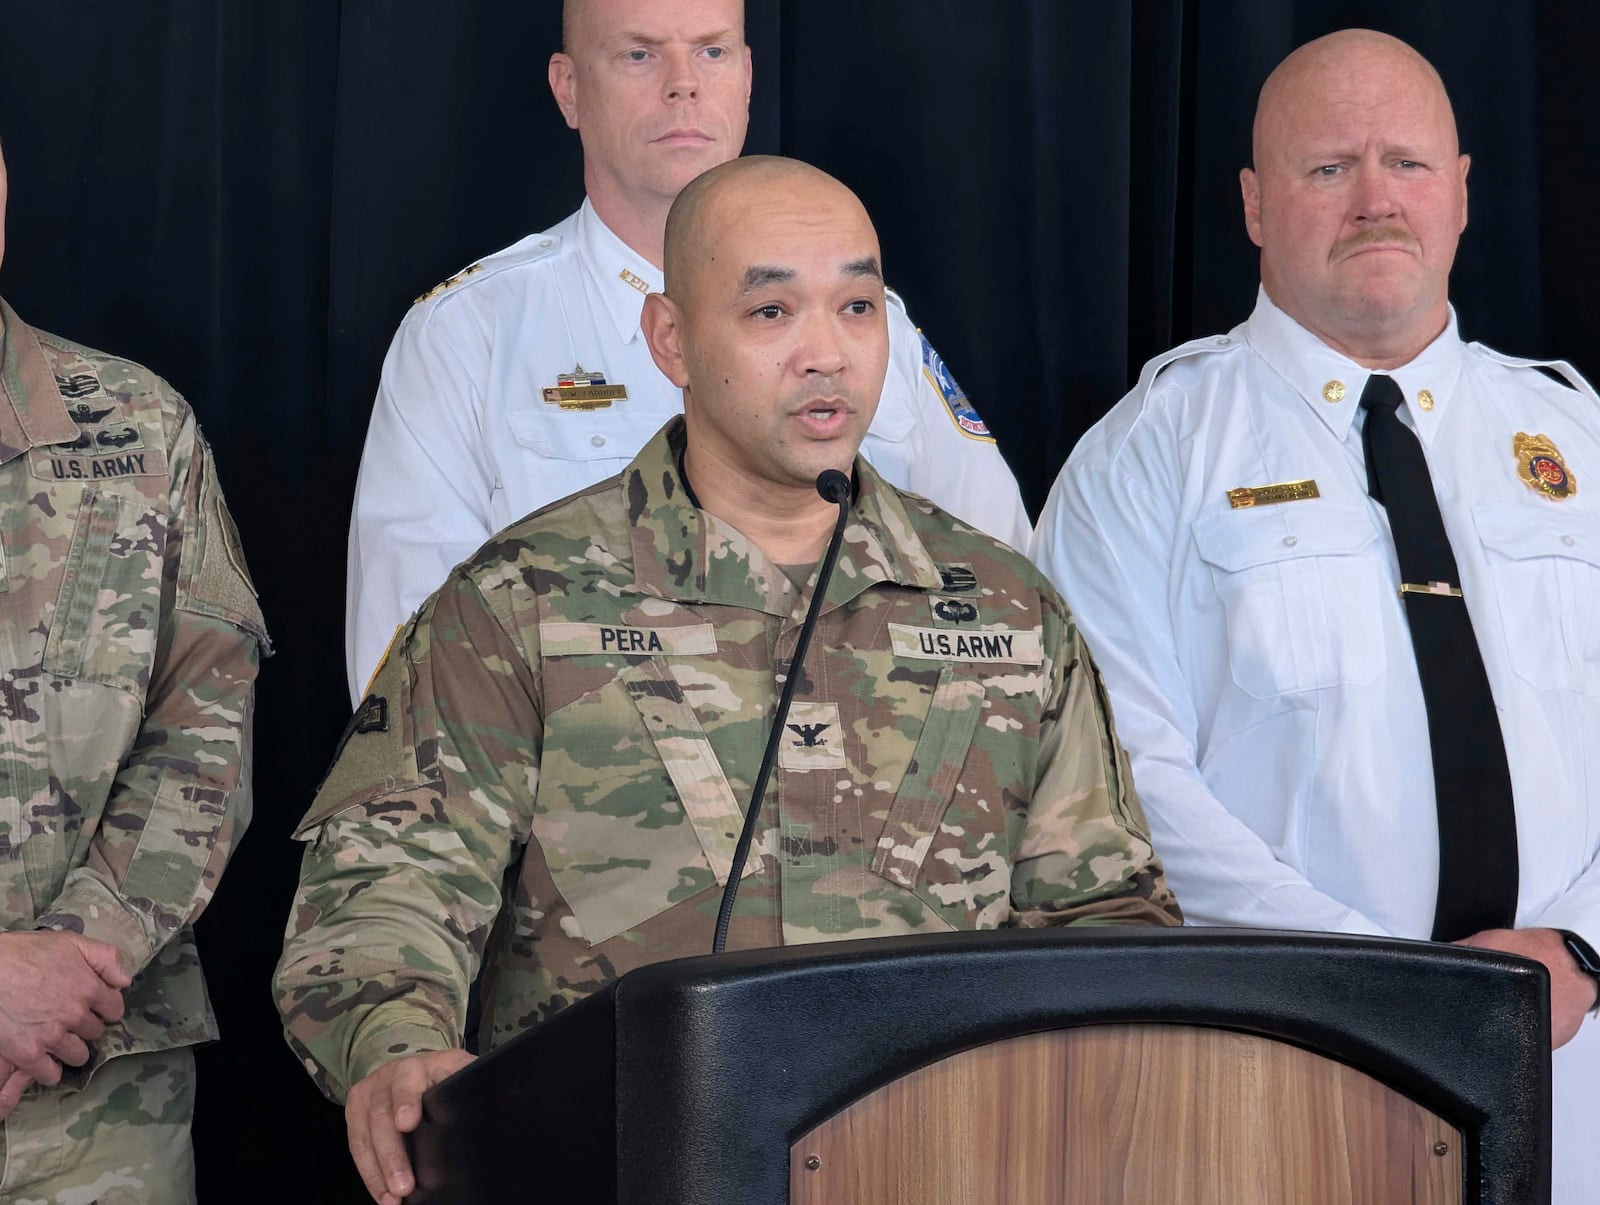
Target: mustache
1373 236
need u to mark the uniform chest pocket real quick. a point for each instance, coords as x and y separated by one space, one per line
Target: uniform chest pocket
1301 593
107 614
941 840
614 433
634 815
1545 563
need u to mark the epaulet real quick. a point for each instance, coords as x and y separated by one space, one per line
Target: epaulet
1210 345
531 249
1557 370
895 298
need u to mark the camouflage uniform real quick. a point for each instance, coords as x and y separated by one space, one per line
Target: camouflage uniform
585 702
129 641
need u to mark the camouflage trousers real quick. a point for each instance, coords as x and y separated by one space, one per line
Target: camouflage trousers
121 1140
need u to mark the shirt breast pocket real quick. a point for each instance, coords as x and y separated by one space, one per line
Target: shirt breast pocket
615 433
108 612
1301 594
653 820
1545 564
942 840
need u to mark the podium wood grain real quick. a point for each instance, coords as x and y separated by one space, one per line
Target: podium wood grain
1128 1115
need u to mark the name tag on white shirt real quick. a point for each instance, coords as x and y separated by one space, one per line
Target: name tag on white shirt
1270 495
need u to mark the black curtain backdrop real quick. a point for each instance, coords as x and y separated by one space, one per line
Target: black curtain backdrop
247 195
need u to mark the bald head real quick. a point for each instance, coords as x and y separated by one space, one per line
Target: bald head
774 324
732 198
1357 197
1342 66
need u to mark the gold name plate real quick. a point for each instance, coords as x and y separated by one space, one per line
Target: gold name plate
1269 495
585 397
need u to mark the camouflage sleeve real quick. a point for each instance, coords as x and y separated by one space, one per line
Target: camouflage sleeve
181 798
1085 854
428 801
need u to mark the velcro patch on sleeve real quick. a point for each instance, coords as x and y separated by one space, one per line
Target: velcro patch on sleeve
562 639
1012 646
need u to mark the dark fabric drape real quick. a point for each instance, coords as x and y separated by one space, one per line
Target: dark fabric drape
246 196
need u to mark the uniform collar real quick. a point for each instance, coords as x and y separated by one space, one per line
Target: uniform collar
1318 373
621 273
32 411
688 555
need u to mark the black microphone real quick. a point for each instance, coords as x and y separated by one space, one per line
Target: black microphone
834 487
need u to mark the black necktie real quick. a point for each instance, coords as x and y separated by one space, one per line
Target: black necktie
1471 782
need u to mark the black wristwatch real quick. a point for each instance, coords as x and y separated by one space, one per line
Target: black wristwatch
1584 955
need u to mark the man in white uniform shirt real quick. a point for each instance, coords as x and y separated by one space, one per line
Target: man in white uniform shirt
1315 740
525 377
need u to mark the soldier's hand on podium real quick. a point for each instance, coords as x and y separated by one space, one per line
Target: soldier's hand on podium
386 1105
1572 991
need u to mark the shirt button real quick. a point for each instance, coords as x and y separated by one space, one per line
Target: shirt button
1568 541
1223 340
545 242
598 441
1290 541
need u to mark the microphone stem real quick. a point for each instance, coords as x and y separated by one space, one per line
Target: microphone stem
741 851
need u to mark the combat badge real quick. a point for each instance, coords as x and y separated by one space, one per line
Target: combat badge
79 385
958 579
580 390
1541 468
962 412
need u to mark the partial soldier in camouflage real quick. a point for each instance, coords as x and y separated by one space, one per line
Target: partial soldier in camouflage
129 641
585 702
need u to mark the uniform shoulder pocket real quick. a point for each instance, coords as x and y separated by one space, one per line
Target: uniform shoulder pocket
377 753
213 579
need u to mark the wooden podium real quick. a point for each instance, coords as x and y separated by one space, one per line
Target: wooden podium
1043 1067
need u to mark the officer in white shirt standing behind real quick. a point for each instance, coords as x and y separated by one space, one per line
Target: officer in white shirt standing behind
525 377
1343 582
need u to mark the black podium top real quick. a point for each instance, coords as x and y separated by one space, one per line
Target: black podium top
687 1081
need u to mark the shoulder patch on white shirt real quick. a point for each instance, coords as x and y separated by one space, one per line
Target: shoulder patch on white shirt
962 412
531 249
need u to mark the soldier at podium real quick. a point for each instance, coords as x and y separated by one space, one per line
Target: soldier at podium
550 770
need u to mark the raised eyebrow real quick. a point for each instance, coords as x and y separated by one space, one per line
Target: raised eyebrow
867 266
763 275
